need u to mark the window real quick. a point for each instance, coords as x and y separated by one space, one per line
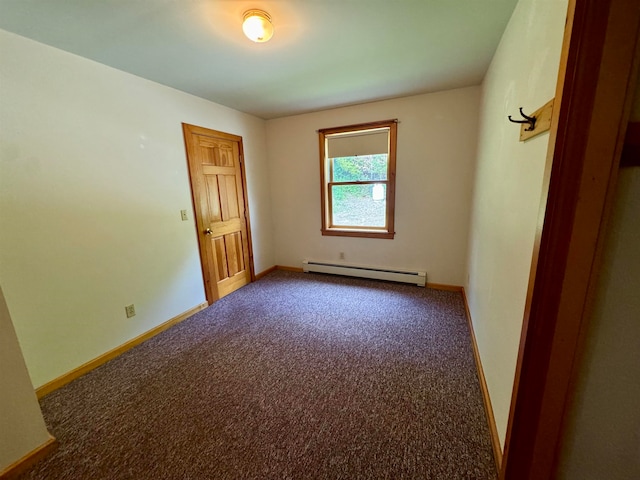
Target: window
358 171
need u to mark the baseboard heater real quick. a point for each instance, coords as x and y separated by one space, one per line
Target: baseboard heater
404 276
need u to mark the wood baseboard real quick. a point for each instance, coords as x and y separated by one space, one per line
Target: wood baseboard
444 286
105 357
19 466
278 267
266 272
289 269
495 439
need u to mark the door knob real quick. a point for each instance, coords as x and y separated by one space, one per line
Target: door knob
208 231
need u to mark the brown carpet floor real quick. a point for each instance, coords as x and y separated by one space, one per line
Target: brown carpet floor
296 376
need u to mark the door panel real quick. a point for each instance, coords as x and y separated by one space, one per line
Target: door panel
218 190
212 198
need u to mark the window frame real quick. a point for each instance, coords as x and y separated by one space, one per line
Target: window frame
386 232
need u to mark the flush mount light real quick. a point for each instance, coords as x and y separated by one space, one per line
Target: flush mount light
257 26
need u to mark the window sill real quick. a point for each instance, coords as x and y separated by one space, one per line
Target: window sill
335 232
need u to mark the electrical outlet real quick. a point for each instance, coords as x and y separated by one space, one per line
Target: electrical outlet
130 310
183 214
341 255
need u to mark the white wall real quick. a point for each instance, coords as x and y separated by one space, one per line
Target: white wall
603 438
21 423
507 190
93 176
437 137
603 432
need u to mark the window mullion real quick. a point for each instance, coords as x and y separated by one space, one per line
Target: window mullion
360 182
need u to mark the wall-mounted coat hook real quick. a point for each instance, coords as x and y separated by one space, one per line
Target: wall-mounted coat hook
536 123
527 119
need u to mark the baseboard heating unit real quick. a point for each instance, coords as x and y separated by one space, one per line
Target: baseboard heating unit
404 276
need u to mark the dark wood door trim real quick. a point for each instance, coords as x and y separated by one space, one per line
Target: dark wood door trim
631 152
596 83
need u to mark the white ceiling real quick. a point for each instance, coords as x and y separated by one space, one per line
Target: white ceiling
324 53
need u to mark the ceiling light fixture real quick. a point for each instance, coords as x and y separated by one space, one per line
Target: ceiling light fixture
257 26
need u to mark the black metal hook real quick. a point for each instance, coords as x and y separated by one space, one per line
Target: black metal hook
527 119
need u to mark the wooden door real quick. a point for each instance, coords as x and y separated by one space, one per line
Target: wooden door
219 198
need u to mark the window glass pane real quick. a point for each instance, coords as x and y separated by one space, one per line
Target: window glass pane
359 205
362 168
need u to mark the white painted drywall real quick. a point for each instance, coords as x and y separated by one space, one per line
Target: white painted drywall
21 423
507 189
437 137
93 176
603 431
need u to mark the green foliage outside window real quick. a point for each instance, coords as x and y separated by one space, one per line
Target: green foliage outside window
362 168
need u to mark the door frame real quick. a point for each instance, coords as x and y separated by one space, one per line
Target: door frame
186 130
596 83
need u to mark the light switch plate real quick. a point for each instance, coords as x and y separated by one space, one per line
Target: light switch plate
130 310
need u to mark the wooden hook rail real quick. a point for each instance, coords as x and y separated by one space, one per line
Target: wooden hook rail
535 123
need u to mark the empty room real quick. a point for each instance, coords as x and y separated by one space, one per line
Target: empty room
319 239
